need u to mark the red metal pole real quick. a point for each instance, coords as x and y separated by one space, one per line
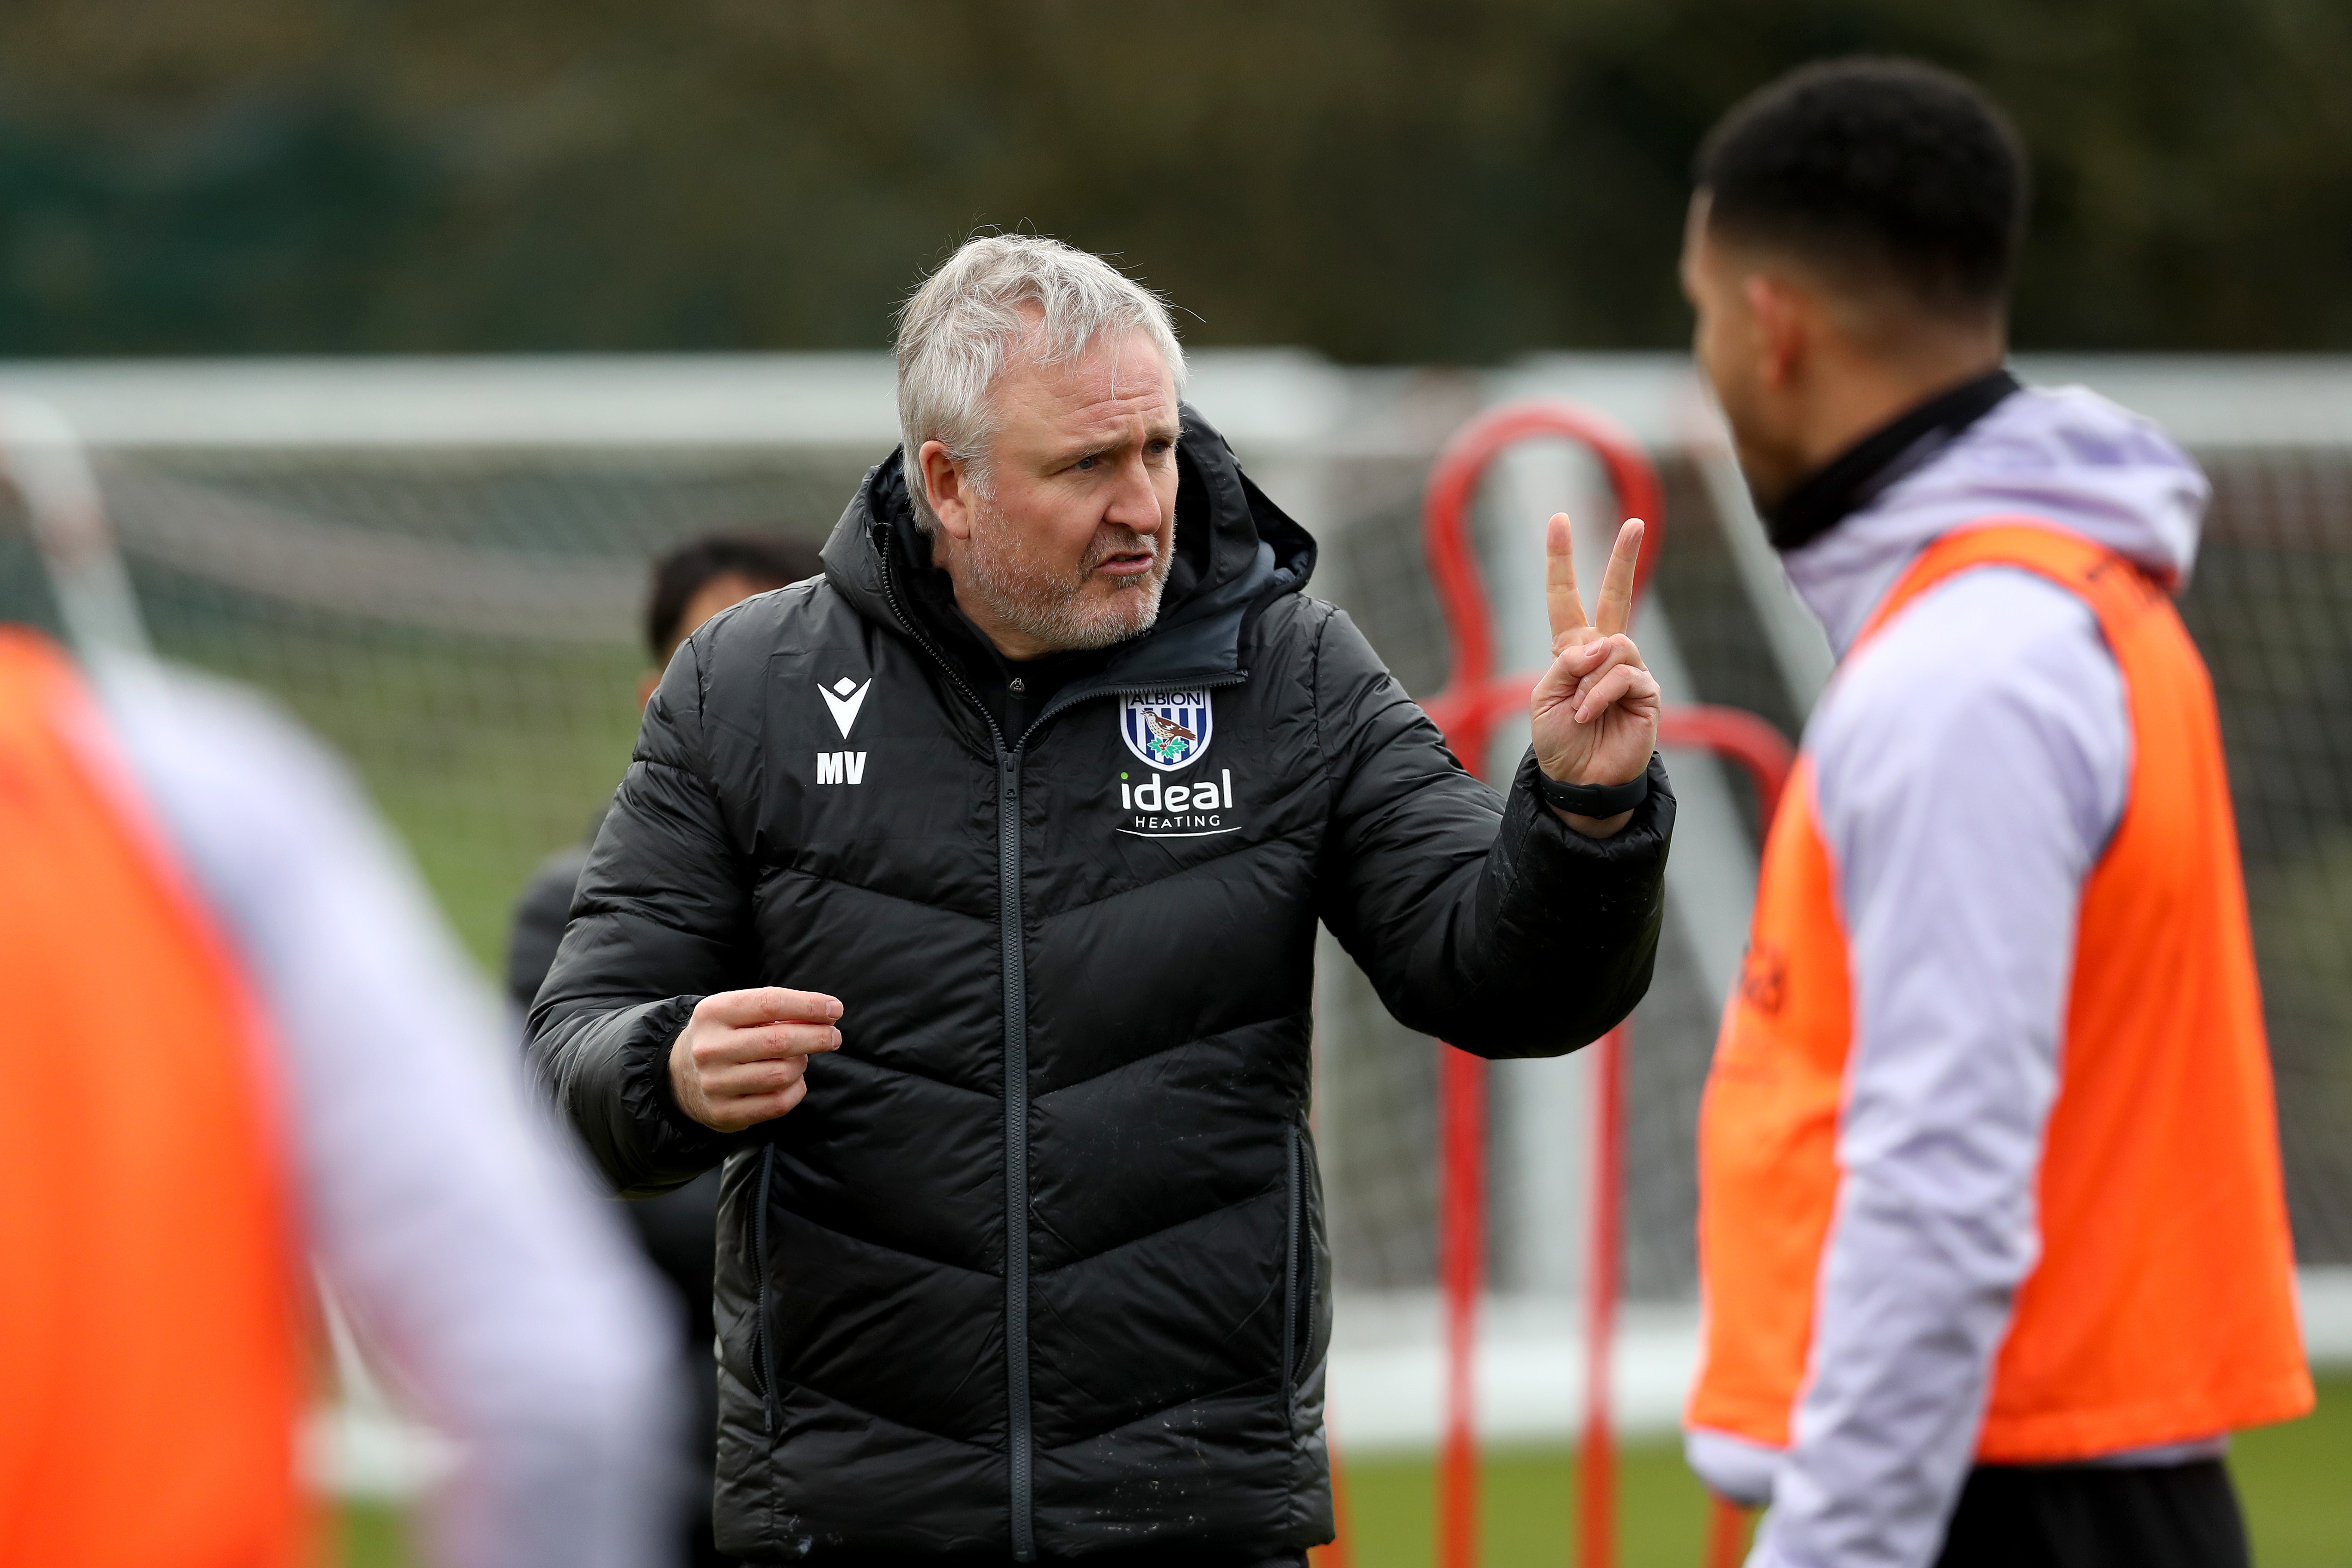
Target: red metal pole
1466 711
1597 1462
1727 1532
1462 1233
1337 1553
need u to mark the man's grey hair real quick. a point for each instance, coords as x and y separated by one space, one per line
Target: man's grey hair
970 318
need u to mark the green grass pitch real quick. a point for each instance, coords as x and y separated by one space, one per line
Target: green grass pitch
2292 1478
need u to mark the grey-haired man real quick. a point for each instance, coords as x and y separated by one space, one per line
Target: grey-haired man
963 903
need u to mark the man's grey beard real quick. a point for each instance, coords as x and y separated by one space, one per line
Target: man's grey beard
996 567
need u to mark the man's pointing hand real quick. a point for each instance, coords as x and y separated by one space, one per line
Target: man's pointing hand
739 1059
1596 708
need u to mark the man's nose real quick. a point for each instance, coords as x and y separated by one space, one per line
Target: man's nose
1135 501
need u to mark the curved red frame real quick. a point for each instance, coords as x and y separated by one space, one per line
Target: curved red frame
1474 699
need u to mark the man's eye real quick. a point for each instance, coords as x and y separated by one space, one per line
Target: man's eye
1085 465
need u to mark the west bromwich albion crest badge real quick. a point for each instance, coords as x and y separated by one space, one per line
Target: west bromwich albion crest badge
1167 728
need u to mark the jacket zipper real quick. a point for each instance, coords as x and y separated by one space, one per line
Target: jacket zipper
1020 1445
1020 1451
760 1364
1016 1157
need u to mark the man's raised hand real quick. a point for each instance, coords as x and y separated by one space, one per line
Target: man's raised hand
741 1059
1596 708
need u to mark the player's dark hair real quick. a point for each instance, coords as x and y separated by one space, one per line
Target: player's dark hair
770 559
1874 170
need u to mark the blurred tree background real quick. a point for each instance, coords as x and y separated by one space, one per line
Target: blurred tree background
1384 180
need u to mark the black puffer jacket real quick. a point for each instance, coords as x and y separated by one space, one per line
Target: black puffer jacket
1077 1016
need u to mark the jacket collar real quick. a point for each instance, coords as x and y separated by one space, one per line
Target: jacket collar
1236 550
2064 455
1855 477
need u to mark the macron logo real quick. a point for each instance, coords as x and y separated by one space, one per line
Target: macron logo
845 697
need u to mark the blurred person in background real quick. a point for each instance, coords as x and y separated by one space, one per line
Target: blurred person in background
1994 1241
238 1037
1040 792
690 584
678 1230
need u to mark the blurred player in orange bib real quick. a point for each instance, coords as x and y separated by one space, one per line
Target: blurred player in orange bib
1993 1243
236 1040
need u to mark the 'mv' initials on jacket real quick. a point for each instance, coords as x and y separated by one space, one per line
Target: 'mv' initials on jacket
844 699
1037 1267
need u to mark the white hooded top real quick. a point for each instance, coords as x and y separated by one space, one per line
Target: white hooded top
1970 765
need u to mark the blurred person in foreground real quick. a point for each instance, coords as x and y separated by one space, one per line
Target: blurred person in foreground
678 1229
236 1036
963 902
1994 1241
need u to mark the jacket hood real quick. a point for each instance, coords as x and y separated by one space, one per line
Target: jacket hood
1234 550
2065 454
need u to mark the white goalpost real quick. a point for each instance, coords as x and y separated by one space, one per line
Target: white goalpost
439 564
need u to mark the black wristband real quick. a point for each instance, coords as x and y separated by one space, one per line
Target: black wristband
1593 800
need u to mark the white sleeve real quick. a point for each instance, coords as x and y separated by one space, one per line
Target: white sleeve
1972 765
459 1232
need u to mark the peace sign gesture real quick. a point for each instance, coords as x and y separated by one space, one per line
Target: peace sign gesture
1596 708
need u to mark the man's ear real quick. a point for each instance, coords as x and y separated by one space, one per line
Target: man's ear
647 687
943 483
1784 316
